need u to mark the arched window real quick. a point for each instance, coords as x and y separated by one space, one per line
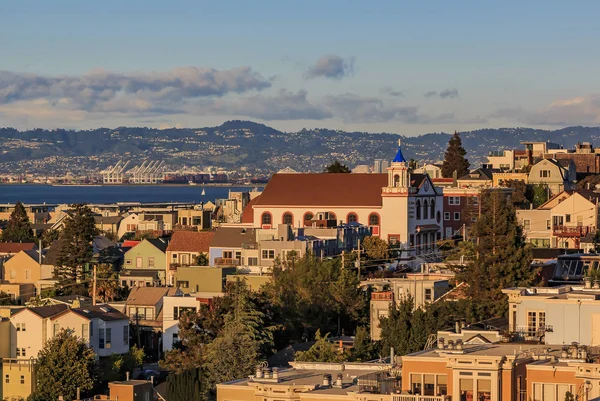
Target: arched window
373 219
352 218
396 180
432 208
288 218
308 216
418 207
425 208
332 216
266 218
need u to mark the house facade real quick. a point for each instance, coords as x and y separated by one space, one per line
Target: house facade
146 259
557 175
184 247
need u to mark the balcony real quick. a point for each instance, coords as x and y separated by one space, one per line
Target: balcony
416 397
227 262
382 296
571 231
528 333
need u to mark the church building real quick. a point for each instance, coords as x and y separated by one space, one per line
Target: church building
401 207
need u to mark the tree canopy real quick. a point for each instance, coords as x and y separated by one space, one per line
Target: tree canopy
64 364
454 158
322 350
18 228
337 167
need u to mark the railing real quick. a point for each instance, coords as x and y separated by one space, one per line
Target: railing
571 231
382 296
417 397
528 333
250 245
227 262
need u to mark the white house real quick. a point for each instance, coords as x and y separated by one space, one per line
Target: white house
398 206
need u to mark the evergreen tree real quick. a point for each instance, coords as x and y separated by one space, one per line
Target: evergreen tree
455 158
337 167
503 258
75 245
186 386
18 228
396 328
322 350
64 364
363 349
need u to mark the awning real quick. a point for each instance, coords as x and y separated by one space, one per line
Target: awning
428 227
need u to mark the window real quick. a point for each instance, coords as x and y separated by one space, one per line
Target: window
101 339
266 219
7 379
288 219
544 173
91 328
456 215
18 352
238 256
373 219
428 296
540 242
27 274
396 180
425 209
85 330
22 379
432 208
415 383
128 262
268 254
56 328
150 263
139 261
446 216
227 254
308 216
183 284
352 218
126 334
548 225
454 200
175 338
393 240
252 261
567 218
23 353
535 321
332 216
12 273
527 225
418 207
175 313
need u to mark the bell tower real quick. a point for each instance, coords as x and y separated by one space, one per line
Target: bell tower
398 175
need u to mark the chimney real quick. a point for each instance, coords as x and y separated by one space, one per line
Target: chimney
392 355
259 372
326 380
457 327
275 374
127 376
440 343
339 380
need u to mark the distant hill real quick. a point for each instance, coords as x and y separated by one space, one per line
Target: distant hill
237 144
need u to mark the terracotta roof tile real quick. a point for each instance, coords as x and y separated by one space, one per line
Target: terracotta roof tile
129 243
322 189
16 247
191 241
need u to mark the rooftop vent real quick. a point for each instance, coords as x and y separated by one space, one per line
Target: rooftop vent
104 309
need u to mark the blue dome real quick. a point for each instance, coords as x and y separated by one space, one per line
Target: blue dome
399 157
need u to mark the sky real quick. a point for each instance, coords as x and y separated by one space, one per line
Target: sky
407 67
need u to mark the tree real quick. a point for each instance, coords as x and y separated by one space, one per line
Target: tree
322 350
539 194
7 299
186 386
201 260
455 158
107 284
503 258
396 327
18 228
376 248
75 245
64 364
520 190
116 366
363 349
337 167
48 237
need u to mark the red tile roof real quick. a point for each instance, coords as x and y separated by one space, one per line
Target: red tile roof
322 189
16 247
248 212
130 243
192 241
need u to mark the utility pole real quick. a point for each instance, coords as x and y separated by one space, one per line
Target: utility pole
358 260
343 259
94 287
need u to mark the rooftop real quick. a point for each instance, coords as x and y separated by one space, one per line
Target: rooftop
16 247
191 241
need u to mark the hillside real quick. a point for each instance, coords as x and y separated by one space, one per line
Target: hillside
237 144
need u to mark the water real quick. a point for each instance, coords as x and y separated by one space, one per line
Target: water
27 193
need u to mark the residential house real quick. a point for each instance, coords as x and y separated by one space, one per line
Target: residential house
18 379
130 390
585 157
12 248
23 275
506 160
184 248
461 207
196 218
128 224
145 264
108 224
175 306
31 328
161 222
424 288
500 178
479 178
229 245
144 307
37 213
401 207
433 170
202 278
567 220
557 175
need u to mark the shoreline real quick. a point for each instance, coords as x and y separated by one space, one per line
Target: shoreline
213 185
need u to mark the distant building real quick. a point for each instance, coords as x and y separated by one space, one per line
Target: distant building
380 166
433 170
557 175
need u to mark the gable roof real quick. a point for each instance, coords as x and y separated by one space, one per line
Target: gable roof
46 311
16 247
129 243
230 237
34 254
323 189
159 243
483 174
149 296
248 212
107 219
191 241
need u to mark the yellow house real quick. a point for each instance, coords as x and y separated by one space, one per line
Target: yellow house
22 274
18 379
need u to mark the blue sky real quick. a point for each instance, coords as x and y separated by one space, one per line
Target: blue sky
409 67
